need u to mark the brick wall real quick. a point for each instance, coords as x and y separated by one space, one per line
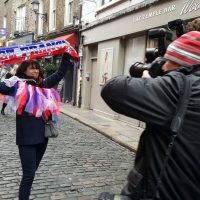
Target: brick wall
30 15
12 5
60 12
60 15
1 13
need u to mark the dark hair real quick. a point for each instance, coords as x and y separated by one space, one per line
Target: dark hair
23 67
193 25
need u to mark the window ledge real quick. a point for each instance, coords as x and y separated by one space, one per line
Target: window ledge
93 58
52 31
69 25
41 35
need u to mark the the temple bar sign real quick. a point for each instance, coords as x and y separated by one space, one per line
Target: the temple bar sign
188 6
3 32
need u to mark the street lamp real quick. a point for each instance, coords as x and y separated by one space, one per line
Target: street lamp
35 7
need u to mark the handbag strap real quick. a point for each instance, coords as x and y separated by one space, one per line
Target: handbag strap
176 127
45 121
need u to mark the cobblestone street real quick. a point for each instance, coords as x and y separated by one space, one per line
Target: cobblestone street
78 165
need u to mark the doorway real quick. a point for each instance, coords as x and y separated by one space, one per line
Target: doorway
93 81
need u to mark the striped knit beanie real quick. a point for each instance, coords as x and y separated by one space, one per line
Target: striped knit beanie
185 50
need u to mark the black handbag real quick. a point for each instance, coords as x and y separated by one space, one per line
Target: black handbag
51 130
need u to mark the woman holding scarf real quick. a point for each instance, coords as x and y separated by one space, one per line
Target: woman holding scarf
33 98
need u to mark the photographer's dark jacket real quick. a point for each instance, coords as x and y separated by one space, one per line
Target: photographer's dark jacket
30 129
154 101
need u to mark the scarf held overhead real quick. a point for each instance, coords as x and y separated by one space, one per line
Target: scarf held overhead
15 54
34 100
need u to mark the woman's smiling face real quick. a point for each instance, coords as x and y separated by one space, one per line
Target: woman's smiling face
32 72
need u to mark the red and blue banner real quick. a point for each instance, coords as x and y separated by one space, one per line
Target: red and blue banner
16 54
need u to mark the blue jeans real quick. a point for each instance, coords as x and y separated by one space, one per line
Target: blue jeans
30 156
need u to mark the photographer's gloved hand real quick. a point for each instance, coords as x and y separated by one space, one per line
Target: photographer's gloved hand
146 74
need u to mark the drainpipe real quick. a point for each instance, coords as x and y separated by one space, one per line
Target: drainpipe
80 41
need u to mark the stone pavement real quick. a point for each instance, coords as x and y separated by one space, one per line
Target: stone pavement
118 131
78 165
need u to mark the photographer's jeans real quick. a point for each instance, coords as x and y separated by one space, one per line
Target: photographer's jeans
30 156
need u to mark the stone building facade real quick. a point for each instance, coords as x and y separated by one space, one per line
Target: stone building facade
1 14
61 28
6 17
18 12
48 23
67 31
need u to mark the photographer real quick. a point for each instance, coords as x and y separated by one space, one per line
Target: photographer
166 164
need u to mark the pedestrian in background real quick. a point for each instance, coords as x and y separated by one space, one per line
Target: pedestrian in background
8 75
33 98
167 164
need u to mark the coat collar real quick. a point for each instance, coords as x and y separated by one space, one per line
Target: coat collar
31 82
195 69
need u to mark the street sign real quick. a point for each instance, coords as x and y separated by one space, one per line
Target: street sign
3 32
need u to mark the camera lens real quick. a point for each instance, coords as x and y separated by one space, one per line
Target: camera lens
136 70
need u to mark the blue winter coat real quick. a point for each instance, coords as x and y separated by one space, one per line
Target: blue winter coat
30 129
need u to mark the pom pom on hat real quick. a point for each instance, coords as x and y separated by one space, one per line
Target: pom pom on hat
185 50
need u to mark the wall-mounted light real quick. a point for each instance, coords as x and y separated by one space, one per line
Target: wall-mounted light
35 8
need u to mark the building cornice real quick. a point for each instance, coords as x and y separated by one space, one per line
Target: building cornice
120 13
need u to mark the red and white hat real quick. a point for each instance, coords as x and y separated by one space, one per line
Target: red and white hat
185 50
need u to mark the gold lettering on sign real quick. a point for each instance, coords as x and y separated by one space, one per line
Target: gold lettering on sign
189 6
155 13
169 9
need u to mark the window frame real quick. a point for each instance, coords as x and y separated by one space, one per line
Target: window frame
52 17
20 19
104 2
40 20
68 16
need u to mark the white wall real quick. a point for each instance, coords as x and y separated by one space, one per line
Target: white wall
93 10
115 6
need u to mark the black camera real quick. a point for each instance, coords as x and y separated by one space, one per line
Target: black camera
154 60
178 25
164 38
136 70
